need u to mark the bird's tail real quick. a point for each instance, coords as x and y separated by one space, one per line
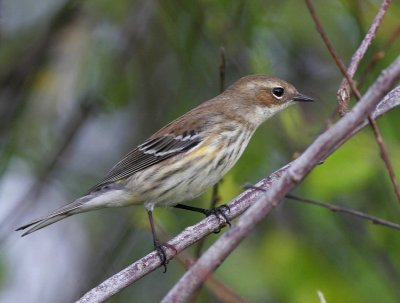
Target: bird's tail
112 196
57 215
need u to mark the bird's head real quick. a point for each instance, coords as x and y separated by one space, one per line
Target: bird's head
261 96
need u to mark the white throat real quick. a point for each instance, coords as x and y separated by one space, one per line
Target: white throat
263 113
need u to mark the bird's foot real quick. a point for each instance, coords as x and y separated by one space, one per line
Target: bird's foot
162 254
219 212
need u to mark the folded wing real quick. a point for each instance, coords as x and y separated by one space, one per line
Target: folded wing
151 152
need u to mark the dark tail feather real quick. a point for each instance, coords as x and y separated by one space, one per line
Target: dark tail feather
57 215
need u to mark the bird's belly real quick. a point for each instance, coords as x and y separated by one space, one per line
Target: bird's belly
188 188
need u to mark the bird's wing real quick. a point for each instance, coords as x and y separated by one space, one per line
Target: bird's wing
152 151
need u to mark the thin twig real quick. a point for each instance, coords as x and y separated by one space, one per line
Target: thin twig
344 89
379 55
360 53
346 210
214 194
330 47
324 145
385 157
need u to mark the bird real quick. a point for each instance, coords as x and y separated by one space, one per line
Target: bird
187 156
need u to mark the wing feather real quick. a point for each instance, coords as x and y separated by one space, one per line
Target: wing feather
151 152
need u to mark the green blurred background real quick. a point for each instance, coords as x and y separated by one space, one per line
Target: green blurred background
82 82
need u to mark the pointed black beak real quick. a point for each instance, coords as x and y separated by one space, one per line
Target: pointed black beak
302 98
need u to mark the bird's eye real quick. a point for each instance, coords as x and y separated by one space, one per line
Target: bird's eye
278 92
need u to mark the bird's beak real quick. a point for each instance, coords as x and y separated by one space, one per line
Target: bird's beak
302 98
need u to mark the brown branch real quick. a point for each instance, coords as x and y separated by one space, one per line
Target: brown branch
330 47
385 157
341 209
380 54
343 102
223 293
344 89
219 289
191 234
324 145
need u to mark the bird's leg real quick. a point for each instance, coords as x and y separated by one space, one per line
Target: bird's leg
157 246
217 211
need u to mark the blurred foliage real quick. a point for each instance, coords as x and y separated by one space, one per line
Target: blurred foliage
140 64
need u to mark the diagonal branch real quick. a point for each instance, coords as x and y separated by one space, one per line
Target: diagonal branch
380 54
324 145
192 234
221 291
329 45
344 89
385 157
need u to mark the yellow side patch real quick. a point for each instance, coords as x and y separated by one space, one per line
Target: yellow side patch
204 151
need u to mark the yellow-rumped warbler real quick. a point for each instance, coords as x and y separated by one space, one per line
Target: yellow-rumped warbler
187 156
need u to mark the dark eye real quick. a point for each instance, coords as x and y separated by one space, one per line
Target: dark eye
278 92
